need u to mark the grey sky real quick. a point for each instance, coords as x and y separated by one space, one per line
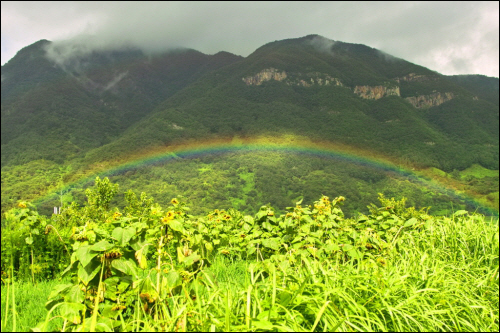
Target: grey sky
448 37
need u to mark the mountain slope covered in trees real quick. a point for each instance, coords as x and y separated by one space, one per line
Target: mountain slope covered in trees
101 108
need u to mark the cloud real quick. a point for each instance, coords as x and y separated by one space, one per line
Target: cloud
115 80
322 44
449 37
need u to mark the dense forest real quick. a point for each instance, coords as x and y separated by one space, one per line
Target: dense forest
65 122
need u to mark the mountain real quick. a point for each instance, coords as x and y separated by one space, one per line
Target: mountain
330 91
103 107
56 111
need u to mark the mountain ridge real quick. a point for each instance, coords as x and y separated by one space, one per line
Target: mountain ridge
107 106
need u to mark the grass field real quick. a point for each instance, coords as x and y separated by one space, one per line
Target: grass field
478 171
29 300
443 279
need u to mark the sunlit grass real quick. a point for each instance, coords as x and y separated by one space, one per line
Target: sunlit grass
29 300
442 278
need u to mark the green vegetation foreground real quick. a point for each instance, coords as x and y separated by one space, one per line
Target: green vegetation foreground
157 268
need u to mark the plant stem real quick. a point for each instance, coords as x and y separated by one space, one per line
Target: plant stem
93 323
158 271
32 265
13 301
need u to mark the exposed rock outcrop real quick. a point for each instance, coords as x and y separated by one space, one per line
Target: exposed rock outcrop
311 79
376 92
427 101
292 79
176 127
265 75
413 77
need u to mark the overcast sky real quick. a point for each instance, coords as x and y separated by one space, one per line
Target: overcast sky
448 37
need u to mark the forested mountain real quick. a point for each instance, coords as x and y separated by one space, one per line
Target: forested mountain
105 106
56 111
331 91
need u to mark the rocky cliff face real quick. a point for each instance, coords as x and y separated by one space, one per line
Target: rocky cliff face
316 78
376 92
310 79
413 77
291 79
265 75
366 92
427 101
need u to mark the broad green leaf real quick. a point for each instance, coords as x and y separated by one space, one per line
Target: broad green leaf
307 219
108 312
268 226
59 290
271 243
209 246
69 268
180 254
197 239
88 272
105 324
123 235
460 213
251 250
362 219
332 247
261 215
71 312
305 228
115 286
85 255
172 280
117 234
248 220
176 225
313 251
347 247
101 246
75 295
284 298
125 266
140 255
194 257
355 254
29 240
410 222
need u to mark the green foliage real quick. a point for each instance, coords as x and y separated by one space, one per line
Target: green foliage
149 268
29 246
482 86
52 119
101 194
133 263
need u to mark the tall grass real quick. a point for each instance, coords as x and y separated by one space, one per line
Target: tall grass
26 300
443 278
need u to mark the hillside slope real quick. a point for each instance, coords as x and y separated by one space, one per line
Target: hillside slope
328 91
59 110
64 120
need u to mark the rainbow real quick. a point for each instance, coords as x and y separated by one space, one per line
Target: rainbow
289 144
